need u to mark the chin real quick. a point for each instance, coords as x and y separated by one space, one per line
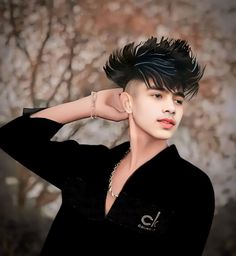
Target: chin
161 137
164 135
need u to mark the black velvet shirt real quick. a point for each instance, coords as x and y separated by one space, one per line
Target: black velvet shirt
166 207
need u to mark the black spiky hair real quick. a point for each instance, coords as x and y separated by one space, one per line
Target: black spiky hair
169 63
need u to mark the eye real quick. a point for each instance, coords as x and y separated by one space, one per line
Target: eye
179 102
157 95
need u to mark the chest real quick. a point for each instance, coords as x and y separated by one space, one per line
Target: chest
140 207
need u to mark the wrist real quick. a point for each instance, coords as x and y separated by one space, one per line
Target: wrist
93 98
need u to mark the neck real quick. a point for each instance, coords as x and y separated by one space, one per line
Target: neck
143 147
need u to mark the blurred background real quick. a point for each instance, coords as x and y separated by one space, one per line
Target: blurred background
54 51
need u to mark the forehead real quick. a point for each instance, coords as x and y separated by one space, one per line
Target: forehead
140 86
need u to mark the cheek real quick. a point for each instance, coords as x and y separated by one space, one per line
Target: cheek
138 108
139 113
179 115
147 111
144 116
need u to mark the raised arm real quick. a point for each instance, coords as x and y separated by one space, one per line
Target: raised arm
104 104
28 140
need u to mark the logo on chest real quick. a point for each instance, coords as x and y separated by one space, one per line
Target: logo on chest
149 222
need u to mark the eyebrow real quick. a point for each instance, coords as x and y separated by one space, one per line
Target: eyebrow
179 94
164 90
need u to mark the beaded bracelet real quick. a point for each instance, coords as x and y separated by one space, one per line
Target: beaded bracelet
93 107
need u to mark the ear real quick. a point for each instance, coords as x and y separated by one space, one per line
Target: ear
126 101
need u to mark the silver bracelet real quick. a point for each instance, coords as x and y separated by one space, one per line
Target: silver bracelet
93 105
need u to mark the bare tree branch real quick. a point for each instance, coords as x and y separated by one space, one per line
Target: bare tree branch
40 53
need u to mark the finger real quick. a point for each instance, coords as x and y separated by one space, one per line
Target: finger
122 116
113 114
118 104
125 115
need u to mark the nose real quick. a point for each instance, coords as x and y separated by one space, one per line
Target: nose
169 107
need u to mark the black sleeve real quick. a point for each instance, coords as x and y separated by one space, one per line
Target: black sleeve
194 219
28 141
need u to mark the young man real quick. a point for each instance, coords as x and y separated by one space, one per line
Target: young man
141 195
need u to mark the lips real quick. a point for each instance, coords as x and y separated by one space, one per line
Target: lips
167 121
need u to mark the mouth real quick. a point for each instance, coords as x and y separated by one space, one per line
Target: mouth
167 121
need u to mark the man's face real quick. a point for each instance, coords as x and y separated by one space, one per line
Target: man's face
156 113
